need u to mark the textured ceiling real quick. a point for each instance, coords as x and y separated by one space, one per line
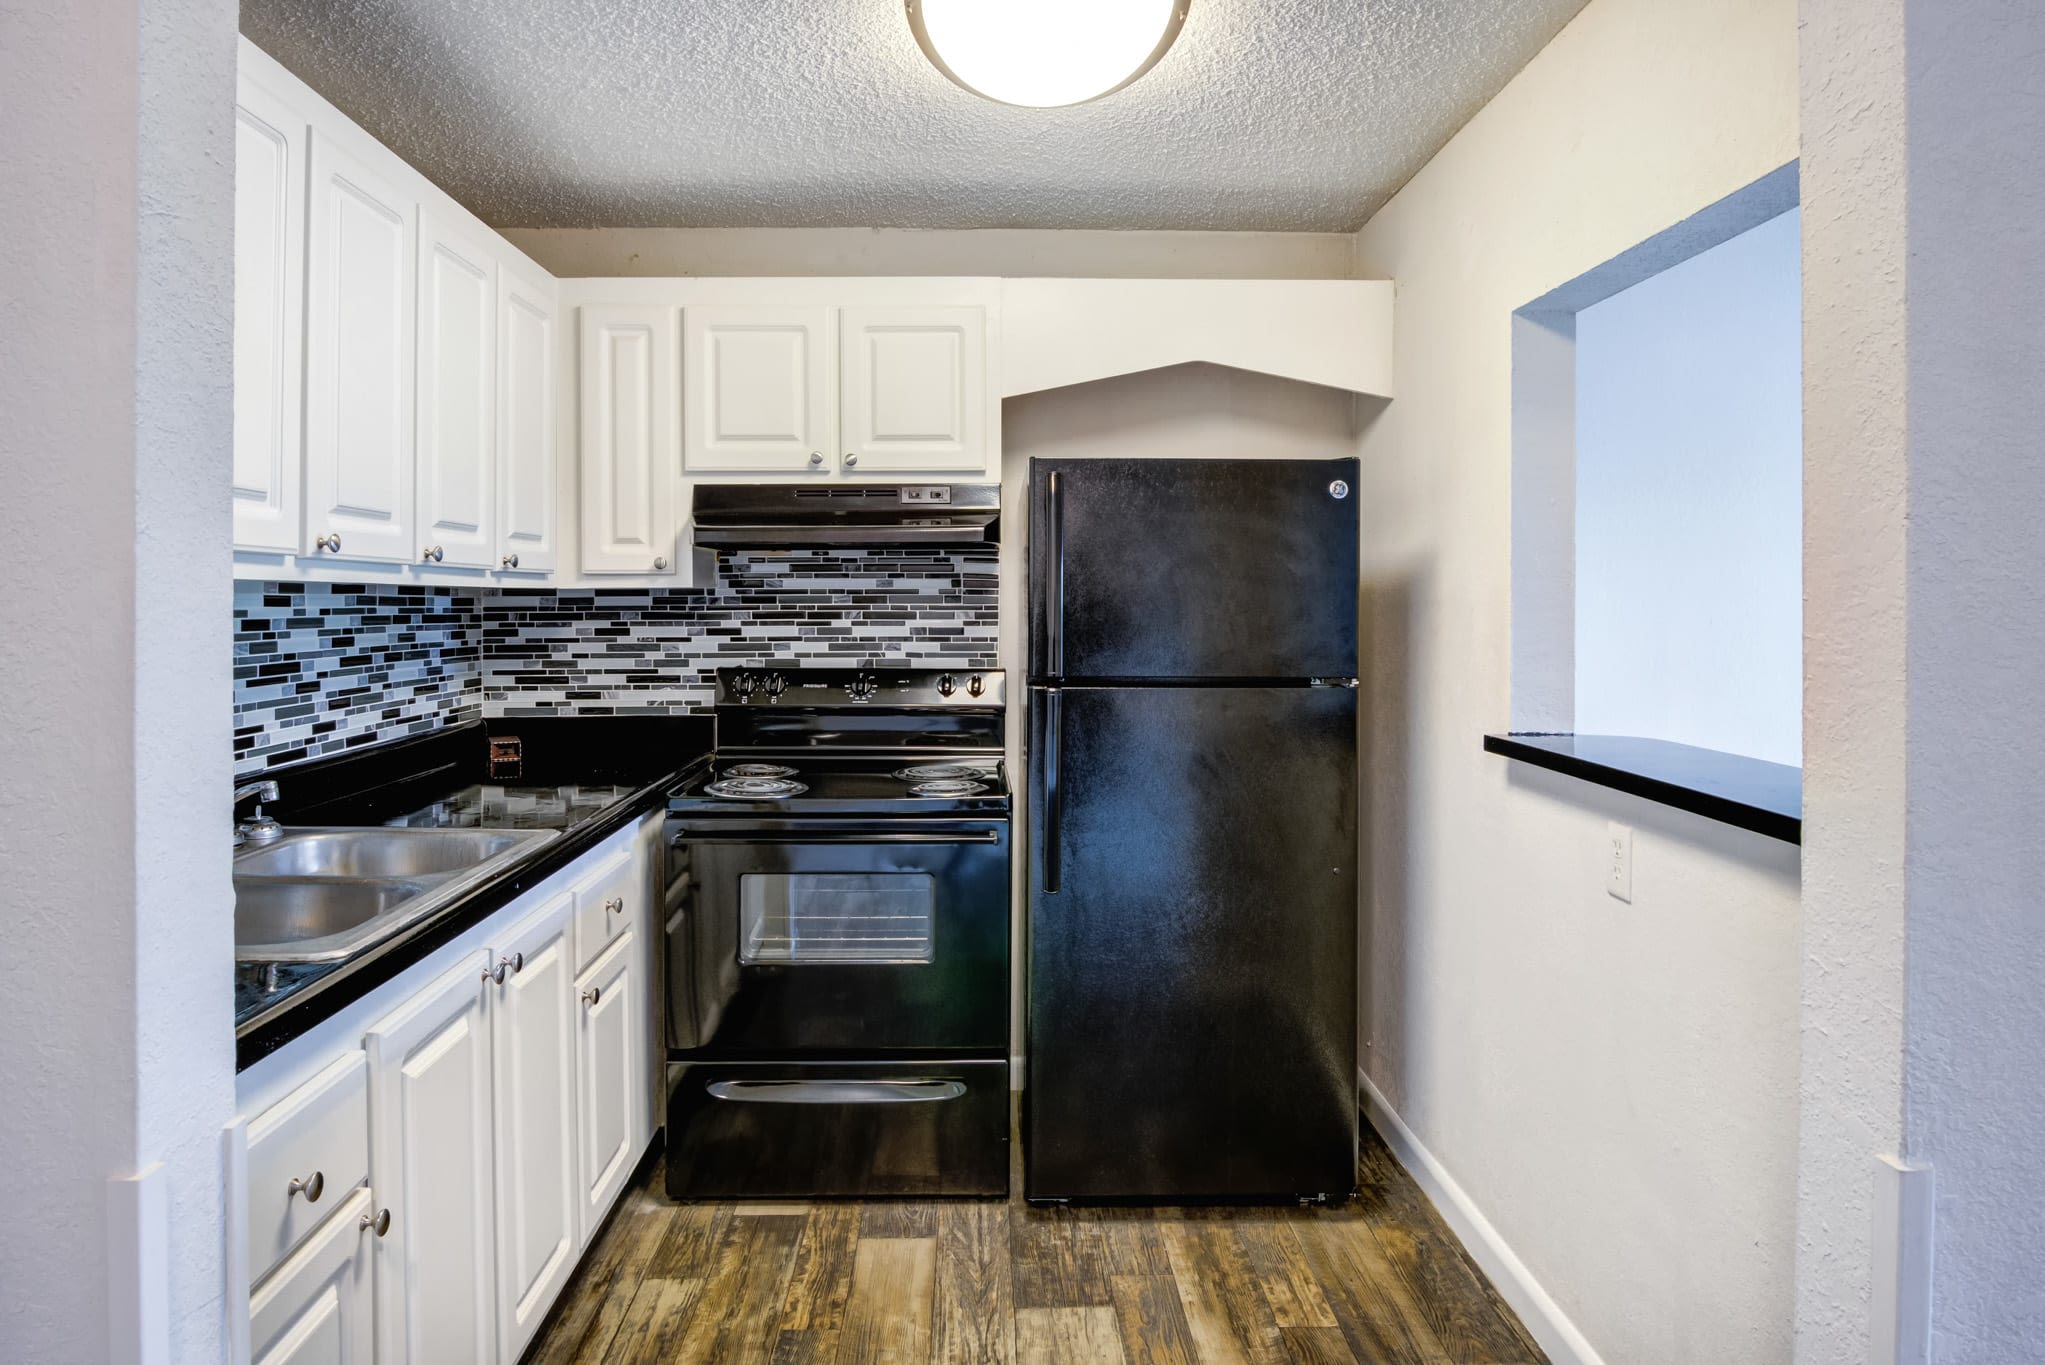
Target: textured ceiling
1278 115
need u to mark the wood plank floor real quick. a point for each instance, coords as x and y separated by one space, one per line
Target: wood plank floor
1380 1281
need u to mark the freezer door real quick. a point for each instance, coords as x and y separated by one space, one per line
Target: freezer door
1192 943
1192 569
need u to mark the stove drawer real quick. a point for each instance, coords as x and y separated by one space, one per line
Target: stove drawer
757 1130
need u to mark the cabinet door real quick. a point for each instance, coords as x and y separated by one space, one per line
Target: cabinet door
269 319
316 1309
629 472
758 394
608 1050
359 437
431 1153
457 396
534 1038
915 389
526 434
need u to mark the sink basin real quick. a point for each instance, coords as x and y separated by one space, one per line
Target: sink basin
309 919
320 895
380 852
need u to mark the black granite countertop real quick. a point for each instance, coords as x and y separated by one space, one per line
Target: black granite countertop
1751 793
585 778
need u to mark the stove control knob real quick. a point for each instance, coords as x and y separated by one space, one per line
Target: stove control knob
946 684
744 684
777 683
976 684
860 688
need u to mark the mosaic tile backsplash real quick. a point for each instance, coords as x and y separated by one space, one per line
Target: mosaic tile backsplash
617 652
322 668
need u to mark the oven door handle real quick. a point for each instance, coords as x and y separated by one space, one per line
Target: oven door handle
988 836
836 1092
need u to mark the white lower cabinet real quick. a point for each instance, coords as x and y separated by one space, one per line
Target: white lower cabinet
538 1232
611 1099
505 1108
316 1309
432 1143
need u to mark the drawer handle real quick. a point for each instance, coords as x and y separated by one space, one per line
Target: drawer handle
517 963
615 905
592 995
378 1223
495 973
836 1092
311 1188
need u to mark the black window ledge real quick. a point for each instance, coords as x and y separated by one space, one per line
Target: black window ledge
1752 793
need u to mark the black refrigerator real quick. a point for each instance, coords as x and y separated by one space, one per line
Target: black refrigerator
1192 801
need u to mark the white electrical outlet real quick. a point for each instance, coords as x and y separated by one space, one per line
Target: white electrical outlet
1619 862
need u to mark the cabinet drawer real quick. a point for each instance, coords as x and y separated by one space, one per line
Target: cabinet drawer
606 903
319 1133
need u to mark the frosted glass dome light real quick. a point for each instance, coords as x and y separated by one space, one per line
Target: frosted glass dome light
1045 53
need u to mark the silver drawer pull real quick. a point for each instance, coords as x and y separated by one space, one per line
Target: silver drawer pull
378 1223
614 905
312 1187
592 995
836 1092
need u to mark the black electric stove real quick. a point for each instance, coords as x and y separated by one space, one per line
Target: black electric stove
838 939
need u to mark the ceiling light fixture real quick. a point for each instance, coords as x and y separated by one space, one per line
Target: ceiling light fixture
1045 53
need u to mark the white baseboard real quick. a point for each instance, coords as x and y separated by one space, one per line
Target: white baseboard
1544 1318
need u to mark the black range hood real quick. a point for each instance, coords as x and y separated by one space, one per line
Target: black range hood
784 516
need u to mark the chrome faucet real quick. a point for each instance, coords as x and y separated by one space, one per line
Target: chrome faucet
259 828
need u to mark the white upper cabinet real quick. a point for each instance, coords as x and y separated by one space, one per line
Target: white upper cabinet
526 433
269 318
915 389
629 468
759 392
457 458
362 284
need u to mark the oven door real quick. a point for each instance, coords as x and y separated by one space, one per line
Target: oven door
839 938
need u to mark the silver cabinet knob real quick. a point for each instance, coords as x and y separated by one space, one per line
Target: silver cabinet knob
850 459
312 1187
660 564
517 963
378 1222
432 552
331 543
816 457
511 561
495 973
614 905
592 995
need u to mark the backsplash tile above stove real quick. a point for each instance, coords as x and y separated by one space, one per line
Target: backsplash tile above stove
602 652
320 668
323 667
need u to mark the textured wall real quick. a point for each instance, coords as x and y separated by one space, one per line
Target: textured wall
1614 1086
116 1037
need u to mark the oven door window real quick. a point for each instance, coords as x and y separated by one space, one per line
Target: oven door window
879 917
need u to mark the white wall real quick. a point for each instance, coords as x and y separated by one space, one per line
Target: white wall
607 252
1614 1087
116 1033
1924 1016
1689 502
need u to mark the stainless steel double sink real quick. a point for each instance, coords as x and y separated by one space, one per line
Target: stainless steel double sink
320 895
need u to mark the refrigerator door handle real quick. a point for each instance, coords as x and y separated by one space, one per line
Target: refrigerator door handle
1056 625
1054 733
